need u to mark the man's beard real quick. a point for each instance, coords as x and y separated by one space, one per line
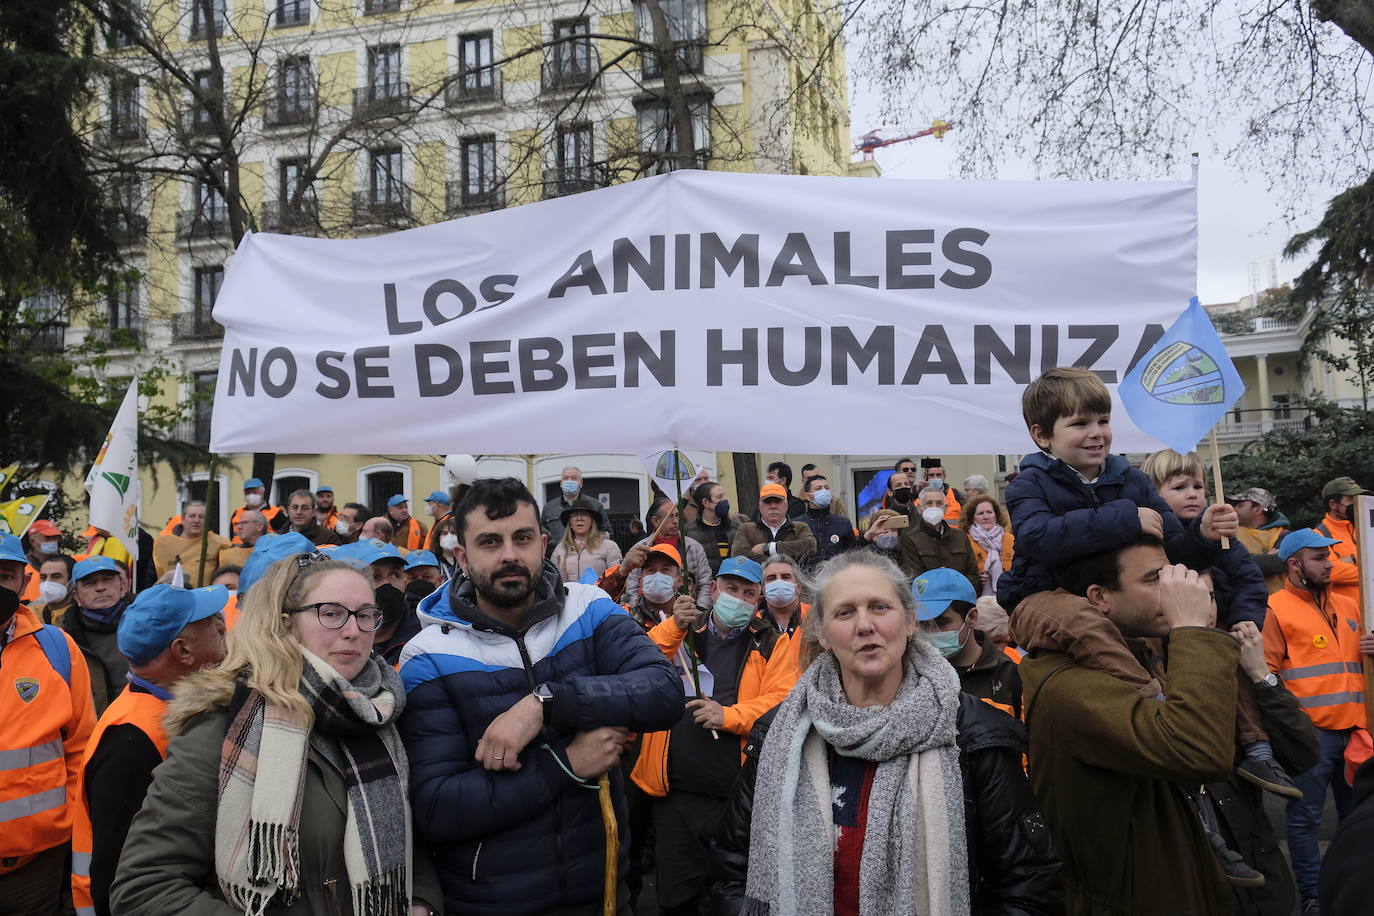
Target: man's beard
506 595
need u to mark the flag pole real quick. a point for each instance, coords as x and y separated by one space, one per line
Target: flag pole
1362 515
210 489
688 585
1216 478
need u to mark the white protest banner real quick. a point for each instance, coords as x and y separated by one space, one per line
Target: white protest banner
740 312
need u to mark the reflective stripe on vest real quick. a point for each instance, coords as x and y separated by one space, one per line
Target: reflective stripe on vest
23 757
131 707
1293 674
32 804
1332 699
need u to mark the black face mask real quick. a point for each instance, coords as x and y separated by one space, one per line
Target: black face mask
9 606
416 592
392 602
902 495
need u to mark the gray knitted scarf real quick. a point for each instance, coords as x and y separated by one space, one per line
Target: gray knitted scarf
914 856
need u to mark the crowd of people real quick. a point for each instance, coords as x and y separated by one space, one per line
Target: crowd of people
1073 700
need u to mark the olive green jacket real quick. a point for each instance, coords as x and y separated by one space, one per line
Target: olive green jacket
168 864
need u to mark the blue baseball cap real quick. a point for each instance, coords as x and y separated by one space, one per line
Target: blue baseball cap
324 489
92 565
1303 537
421 558
252 482
268 550
159 613
363 554
936 589
12 549
741 567
397 500
440 497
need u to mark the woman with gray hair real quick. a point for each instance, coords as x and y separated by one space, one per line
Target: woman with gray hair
877 786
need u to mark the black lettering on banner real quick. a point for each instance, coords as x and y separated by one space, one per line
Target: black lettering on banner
934 356
899 259
326 364
682 261
626 257
746 357
584 361
541 355
811 359
282 357
243 372
583 272
1049 347
1150 337
662 365
447 288
493 292
394 324
845 348
795 259
482 368
744 252
1014 360
452 364
843 262
1102 337
979 265
365 372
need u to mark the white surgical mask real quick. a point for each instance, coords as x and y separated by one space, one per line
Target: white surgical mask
821 498
52 592
731 611
886 541
343 527
932 516
448 542
659 587
253 499
48 547
780 592
569 487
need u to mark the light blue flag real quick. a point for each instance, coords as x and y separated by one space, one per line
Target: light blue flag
1184 385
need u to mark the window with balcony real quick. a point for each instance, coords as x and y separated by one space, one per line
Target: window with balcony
42 323
479 171
122 320
386 92
686 24
197 324
204 102
210 203
128 225
385 183
574 170
373 7
293 101
292 12
572 60
124 25
476 75
125 123
661 148
207 15
297 205
204 398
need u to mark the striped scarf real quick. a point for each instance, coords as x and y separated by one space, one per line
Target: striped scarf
257 854
915 856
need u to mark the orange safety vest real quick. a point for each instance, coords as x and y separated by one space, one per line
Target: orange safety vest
172 524
1345 577
46 708
1315 651
953 508
31 591
142 710
268 513
231 612
413 535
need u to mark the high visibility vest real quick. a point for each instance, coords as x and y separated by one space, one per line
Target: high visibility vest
268 513
331 519
1345 577
953 508
1322 662
47 716
411 535
144 711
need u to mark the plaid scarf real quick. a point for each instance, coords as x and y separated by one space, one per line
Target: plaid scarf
257 855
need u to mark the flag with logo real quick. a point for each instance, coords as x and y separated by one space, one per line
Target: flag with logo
17 514
113 480
673 471
1184 385
6 474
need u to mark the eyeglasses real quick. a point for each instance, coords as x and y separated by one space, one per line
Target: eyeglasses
333 616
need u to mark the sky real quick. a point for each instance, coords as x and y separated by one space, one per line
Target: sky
1240 222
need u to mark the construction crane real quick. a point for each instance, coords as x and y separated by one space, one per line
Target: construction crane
872 141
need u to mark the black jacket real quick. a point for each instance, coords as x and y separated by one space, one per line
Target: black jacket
1013 869
1241 806
1347 882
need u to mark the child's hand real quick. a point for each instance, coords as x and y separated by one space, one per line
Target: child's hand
1251 650
1150 522
1220 521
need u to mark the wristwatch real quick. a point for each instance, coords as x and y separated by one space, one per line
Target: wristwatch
544 695
1269 680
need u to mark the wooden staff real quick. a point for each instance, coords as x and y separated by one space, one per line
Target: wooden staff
1362 520
608 894
1216 480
